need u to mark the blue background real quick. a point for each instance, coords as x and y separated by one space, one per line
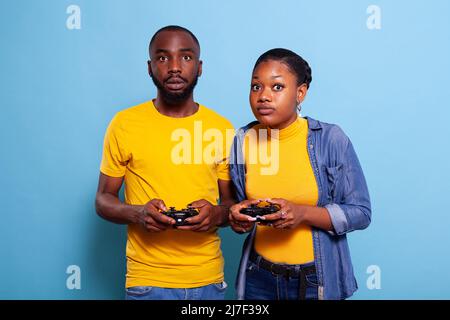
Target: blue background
60 88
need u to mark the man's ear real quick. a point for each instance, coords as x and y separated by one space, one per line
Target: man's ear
302 90
149 63
200 64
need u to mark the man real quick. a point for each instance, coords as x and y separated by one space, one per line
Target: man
142 148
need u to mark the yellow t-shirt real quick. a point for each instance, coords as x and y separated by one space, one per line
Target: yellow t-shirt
178 160
291 177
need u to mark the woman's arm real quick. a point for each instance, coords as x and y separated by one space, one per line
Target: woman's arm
291 215
317 217
353 210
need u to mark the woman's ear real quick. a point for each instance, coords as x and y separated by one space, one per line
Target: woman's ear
302 90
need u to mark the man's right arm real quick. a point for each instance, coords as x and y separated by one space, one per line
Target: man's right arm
109 207
108 204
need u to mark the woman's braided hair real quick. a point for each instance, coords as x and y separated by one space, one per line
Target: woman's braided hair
296 64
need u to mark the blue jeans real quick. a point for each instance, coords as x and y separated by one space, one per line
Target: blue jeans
261 284
215 291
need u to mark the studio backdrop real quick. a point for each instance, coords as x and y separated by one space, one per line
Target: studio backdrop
380 70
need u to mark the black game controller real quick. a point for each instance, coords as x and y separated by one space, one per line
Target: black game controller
180 215
257 212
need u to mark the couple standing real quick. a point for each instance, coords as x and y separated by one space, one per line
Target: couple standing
300 252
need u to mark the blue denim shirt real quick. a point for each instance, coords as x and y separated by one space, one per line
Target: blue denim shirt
342 191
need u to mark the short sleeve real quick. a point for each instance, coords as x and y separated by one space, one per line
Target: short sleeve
223 170
114 158
223 166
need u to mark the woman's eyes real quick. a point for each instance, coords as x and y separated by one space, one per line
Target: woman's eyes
162 59
276 87
187 58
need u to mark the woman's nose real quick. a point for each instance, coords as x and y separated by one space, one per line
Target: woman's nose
265 95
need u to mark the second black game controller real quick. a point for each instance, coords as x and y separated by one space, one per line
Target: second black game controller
257 211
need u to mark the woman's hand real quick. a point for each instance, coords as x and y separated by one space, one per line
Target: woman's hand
239 222
289 216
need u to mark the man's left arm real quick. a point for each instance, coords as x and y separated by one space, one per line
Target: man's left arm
227 199
216 215
210 215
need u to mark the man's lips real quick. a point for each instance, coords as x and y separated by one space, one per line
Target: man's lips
265 110
175 83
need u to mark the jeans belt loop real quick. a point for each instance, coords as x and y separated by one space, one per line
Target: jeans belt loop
258 261
271 269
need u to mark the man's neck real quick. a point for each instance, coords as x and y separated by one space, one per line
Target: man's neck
176 110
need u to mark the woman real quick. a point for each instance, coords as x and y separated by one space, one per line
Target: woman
301 251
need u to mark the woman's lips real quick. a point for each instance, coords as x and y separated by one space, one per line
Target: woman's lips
265 111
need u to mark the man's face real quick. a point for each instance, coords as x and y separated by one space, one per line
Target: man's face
174 65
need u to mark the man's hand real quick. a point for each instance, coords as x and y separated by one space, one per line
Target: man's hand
239 222
151 218
209 217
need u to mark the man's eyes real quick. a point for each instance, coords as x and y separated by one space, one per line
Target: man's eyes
164 58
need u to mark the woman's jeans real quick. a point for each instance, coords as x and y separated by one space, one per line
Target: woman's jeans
215 291
262 284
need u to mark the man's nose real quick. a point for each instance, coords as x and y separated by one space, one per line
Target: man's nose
174 66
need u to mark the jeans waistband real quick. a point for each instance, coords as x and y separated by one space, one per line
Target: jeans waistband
287 270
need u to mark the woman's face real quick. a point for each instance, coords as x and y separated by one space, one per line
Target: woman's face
275 94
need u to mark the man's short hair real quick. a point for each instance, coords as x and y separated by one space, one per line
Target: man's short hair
173 28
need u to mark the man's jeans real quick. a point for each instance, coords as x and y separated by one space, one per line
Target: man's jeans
215 291
263 285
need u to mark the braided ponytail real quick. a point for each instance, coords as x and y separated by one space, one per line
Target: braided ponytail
308 73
